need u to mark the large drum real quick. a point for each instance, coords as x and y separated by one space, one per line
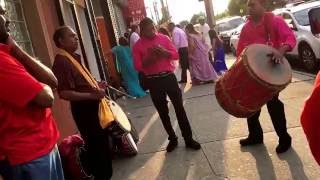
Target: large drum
121 125
252 81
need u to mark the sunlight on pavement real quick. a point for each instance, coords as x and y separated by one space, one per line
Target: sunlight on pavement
147 127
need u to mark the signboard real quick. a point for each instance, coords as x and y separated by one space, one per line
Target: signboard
135 11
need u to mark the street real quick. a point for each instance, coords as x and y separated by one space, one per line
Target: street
221 156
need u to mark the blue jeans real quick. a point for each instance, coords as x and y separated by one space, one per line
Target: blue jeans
47 167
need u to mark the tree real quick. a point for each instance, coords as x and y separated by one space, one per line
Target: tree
195 17
222 15
237 7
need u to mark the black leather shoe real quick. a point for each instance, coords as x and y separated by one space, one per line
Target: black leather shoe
251 141
284 145
181 82
192 144
172 145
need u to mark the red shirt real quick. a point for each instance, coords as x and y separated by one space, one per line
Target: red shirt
27 132
279 31
141 49
310 120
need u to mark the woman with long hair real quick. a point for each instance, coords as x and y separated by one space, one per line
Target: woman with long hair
164 31
125 67
219 63
201 69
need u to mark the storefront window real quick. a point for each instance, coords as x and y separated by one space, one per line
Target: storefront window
18 28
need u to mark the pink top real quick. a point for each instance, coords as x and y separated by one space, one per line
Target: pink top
141 49
279 31
179 38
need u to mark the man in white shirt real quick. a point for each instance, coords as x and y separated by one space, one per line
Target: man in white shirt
204 30
134 37
180 40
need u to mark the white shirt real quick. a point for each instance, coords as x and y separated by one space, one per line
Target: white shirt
133 39
204 30
179 38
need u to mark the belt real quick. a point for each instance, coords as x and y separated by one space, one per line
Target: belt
159 75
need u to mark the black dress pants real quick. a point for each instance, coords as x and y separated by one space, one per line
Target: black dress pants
160 87
184 62
277 114
85 114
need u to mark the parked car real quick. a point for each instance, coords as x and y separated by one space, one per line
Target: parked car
234 39
307 49
226 27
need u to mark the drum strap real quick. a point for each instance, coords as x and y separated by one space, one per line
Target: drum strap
268 27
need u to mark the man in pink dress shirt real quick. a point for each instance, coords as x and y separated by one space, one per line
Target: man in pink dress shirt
153 55
180 41
265 28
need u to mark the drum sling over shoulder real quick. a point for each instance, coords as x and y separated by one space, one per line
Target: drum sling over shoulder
106 116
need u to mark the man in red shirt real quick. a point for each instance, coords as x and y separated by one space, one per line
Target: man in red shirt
153 55
28 133
265 28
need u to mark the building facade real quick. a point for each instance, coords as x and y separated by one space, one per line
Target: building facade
32 24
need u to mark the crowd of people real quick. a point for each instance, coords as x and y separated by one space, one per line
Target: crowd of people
146 59
200 51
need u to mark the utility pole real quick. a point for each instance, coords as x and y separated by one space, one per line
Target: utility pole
156 12
210 14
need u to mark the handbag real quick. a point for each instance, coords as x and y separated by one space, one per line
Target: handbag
105 114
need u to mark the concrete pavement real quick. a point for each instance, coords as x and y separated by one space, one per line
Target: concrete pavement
221 156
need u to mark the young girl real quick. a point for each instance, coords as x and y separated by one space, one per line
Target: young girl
219 63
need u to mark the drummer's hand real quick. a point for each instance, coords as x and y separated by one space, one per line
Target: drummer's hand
276 57
98 93
103 84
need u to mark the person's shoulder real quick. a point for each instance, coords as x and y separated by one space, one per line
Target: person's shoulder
277 18
137 46
163 37
61 61
246 25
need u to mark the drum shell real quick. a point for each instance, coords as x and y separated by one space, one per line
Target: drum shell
241 93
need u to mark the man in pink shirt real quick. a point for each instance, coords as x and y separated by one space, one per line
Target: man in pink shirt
265 28
153 55
180 41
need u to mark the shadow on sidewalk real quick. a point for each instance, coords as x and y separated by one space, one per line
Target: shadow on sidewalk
295 164
263 161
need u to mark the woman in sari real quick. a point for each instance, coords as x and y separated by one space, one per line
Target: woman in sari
201 69
125 67
219 63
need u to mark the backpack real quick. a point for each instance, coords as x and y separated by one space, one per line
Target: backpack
74 158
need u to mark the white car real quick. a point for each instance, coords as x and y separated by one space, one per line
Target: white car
234 39
308 45
226 27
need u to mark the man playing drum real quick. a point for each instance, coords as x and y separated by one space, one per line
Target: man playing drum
265 28
84 102
153 55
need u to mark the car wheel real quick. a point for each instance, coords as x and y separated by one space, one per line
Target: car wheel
308 58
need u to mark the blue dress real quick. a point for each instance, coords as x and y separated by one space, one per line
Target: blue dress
219 61
129 74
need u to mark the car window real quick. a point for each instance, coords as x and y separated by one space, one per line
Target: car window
226 26
288 19
302 17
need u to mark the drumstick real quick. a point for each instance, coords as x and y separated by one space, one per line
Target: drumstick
121 92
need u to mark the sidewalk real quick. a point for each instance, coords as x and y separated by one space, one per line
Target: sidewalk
221 156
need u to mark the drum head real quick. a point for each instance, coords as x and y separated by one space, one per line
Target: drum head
120 116
262 66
